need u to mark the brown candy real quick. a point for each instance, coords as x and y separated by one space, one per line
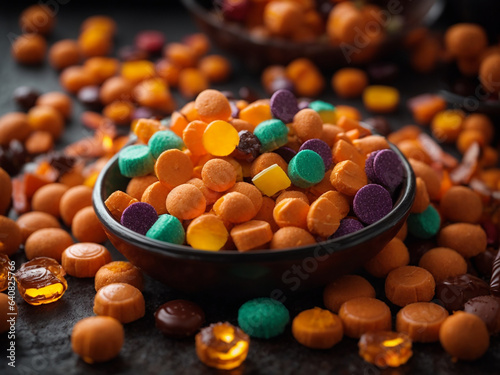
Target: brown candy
454 292
488 309
179 318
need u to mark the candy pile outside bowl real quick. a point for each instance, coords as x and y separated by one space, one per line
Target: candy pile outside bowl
398 18
257 272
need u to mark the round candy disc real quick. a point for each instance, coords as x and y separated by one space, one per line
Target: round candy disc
321 148
139 217
284 105
347 226
388 169
371 203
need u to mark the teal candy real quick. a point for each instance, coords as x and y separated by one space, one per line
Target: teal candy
272 134
306 169
164 140
168 229
424 225
136 161
319 105
263 318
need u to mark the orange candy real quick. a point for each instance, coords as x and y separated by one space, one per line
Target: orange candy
253 234
317 328
186 202
173 168
218 175
84 259
291 212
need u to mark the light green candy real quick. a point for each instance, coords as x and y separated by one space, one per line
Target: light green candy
136 160
168 229
164 140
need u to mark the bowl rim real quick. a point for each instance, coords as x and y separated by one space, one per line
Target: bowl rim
400 209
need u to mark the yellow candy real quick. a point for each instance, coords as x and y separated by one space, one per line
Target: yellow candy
271 180
137 71
447 125
381 99
207 232
220 138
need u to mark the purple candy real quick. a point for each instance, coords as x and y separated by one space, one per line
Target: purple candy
321 148
388 169
303 104
284 105
370 173
371 203
347 226
235 111
286 153
139 217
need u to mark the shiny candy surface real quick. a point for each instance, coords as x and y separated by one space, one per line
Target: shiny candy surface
41 281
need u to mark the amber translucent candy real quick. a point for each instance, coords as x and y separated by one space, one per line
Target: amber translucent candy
222 346
41 281
385 348
4 272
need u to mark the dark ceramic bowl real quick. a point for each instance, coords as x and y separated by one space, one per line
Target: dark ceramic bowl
257 53
258 272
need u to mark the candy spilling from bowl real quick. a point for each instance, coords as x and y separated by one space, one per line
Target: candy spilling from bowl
265 175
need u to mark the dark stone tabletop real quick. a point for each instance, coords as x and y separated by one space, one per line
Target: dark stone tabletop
43 332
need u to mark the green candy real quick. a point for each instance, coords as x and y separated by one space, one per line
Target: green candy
424 225
164 140
319 106
168 229
306 169
272 134
263 317
136 161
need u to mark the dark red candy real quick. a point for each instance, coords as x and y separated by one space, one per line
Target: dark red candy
454 292
26 97
151 41
179 318
248 148
235 10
